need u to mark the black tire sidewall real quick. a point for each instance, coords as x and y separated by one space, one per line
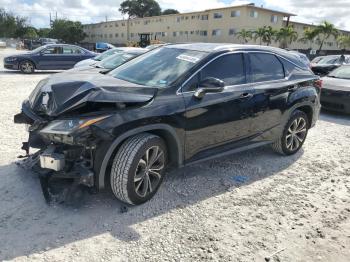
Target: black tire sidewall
136 199
296 114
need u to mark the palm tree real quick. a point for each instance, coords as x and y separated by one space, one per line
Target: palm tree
269 35
309 36
286 36
325 31
245 35
259 34
344 41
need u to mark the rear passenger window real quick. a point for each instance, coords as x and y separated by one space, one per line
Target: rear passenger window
228 68
265 67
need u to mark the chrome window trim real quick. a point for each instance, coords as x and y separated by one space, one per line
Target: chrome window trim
179 92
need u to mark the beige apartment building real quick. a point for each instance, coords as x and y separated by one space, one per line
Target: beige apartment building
214 25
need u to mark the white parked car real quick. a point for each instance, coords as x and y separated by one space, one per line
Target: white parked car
2 44
104 55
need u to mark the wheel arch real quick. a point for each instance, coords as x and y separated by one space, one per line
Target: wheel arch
308 110
166 132
27 59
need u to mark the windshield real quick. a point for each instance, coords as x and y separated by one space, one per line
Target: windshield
116 60
328 61
317 59
159 67
341 72
106 54
39 49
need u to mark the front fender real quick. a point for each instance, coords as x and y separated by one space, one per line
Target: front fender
176 144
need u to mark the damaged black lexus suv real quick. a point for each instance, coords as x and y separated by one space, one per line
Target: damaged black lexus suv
173 106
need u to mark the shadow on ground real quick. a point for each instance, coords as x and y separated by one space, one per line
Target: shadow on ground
335 118
9 72
28 225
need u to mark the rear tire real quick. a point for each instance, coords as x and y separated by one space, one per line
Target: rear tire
26 67
138 168
294 134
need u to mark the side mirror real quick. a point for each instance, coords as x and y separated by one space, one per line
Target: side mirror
209 85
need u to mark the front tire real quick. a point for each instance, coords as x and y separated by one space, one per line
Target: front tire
27 67
294 134
138 168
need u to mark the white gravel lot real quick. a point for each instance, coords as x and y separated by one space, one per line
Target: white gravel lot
297 207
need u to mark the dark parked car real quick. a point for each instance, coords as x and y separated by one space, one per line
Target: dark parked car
329 63
173 106
48 57
336 90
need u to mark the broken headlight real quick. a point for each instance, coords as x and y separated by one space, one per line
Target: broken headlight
67 126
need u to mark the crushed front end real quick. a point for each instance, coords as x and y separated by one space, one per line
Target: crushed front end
65 150
70 120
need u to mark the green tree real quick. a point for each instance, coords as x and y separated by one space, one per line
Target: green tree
170 12
324 32
30 33
286 35
140 8
68 31
344 41
44 32
8 24
245 35
309 36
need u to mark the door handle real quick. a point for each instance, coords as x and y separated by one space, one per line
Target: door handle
246 96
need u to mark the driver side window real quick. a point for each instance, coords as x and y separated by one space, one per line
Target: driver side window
228 68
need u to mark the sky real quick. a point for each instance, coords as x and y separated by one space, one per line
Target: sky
90 11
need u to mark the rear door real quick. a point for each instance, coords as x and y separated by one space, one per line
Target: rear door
71 56
218 118
268 78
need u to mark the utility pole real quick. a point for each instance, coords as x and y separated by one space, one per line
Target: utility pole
106 18
50 20
56 16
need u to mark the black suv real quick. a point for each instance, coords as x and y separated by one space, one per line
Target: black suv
173 106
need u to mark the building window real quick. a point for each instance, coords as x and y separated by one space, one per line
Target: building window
232 31
203 33
235 13
106 25
174 34
216 32
186 18
253 14
110 35
110 25
178 19
205 17
122 34
116 25
105 35
274 19
192 32
193 17
218 15
123 24
116 35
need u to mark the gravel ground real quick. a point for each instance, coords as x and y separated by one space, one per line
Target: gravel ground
245 207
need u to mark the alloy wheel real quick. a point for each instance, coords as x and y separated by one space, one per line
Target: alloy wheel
148 172
296 134
27 67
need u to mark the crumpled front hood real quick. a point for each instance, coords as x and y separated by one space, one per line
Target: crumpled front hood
65 92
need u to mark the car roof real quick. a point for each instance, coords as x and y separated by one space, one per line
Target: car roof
219 47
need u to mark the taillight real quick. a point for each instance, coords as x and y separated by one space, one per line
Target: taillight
318 83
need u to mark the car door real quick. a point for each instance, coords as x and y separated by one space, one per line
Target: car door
272 88
51 58
218 118
71 56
